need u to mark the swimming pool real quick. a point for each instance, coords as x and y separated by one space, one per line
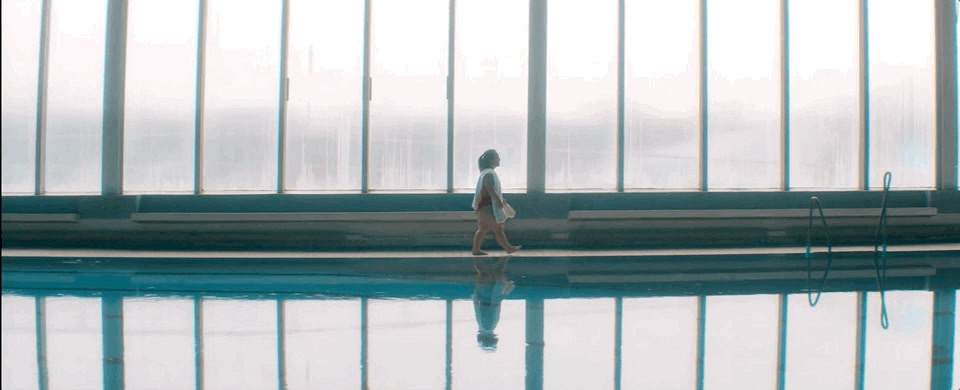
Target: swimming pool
691 320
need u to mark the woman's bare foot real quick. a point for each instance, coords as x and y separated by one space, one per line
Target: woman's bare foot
479 253
514 249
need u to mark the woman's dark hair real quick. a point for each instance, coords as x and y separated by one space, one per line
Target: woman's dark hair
484 161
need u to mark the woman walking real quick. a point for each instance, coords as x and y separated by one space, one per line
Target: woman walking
492 211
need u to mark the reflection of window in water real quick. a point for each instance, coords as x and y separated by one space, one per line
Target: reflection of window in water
491 288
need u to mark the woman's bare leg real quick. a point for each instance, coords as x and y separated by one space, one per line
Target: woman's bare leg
477 241
502 240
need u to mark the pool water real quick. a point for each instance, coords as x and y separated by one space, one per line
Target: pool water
484 323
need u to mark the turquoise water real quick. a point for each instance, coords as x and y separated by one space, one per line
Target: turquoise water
489 324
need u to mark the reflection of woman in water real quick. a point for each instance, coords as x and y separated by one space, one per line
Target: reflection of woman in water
492 211
492 286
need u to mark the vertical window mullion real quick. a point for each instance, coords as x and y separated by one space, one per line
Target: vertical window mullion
367 95
621 55
864 98
784 96
450 85
198 120
114 76
41 138
704 149
284 97
536 95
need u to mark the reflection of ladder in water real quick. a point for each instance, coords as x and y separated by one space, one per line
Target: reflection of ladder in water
879 257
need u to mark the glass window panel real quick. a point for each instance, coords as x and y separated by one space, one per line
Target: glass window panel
662 94
581 95
473 363
407 344
239 344
322 344
158 134
579 335
821 352
74 343
490 92
659 343
18 346
902 134
324 113
824 80
21 53
408 111
740 350
899 357
743 57
75 96
158 344
241 95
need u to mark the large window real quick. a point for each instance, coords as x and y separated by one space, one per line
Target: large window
902 134
160 103
662 92
324 111
581 95
744 94
443 86
242 76
490 90
21 46
824 74
75 96
408 110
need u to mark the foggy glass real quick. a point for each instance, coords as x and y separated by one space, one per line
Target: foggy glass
502 368
899 357
744 94
581 140
75 96
406 344
241 336
18 346
579 335
240 119
659 343
160 96
321 339
824 85
21 53
821 347
158 344
661 95
490 90
902 132
740 349
324 111
74 343
408 110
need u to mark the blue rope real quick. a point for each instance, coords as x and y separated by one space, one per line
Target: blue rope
879 256
881 264
826 229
